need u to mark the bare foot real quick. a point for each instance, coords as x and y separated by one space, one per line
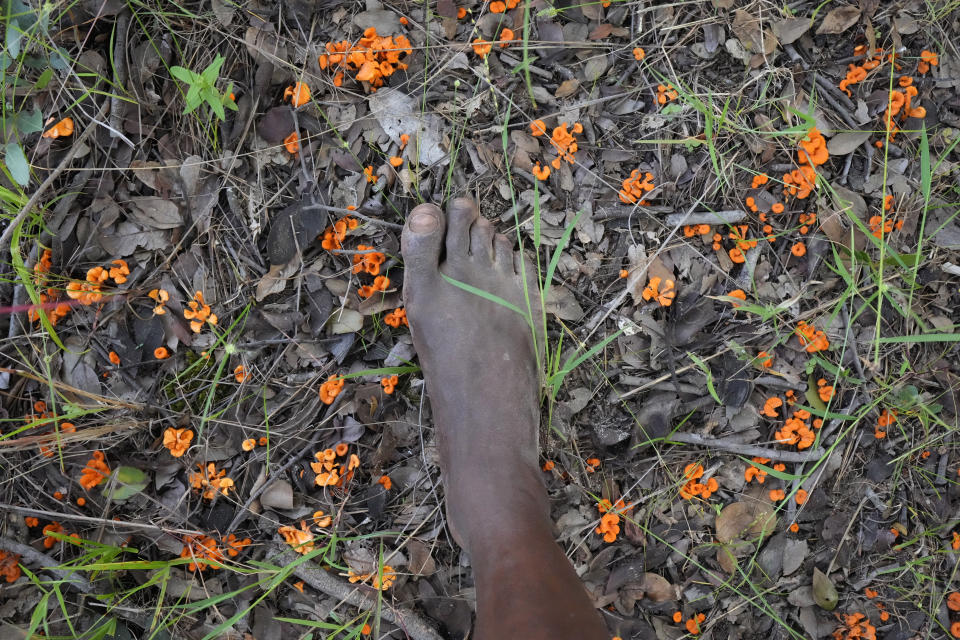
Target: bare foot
479 363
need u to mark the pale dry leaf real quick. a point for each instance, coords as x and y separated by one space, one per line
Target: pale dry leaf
400 114
275 279
279 495
847 142
151 211
595 67
839 20
346 321
562 303
789 31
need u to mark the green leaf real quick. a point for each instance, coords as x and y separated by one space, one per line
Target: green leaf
29 122
213 70
824 593
192 99
213 99
13 38
561 245
126 483
17 164
703 366
44 79
184 75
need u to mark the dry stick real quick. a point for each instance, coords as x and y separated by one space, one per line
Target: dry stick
355 213
746 449
46 184
412 624
706 217
120 524
46 562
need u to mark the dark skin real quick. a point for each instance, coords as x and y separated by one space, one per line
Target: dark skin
480 366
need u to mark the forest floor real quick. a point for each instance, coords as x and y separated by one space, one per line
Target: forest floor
745 216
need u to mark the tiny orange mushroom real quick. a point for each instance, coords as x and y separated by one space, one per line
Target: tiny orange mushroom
298 93
62 128
330 389
177 441
389 384
481 47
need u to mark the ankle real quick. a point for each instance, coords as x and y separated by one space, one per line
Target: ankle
490 509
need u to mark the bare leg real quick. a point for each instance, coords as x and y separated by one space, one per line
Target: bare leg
480 368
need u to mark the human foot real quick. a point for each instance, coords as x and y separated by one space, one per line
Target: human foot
479 362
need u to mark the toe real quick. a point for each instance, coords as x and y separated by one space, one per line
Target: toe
503 249
460 216
422 241
481 241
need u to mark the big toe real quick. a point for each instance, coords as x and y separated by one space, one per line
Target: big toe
422 241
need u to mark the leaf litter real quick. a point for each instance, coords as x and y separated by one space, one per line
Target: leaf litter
826 253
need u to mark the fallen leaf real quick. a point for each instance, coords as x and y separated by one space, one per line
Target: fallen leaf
595 67
839 20
847 142
275 279
794 553
601 31
400 114
567 88
790 30
824 593
279 495
151 211
748 520
749 31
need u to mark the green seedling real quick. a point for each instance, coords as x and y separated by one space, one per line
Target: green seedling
203 88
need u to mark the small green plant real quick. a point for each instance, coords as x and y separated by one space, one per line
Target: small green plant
203 88
27 59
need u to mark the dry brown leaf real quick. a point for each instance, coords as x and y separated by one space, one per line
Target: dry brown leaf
567 88
657 588
839 20
751 34
748 520
601 31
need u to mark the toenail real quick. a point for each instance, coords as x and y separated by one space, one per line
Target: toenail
422 222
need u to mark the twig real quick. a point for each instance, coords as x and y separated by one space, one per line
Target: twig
47 563
706 217
78 144
120 75
746 449
353 212
121 524
412 624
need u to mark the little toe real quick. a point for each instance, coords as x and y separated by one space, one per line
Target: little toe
503 250
422 242
461 213
481 241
